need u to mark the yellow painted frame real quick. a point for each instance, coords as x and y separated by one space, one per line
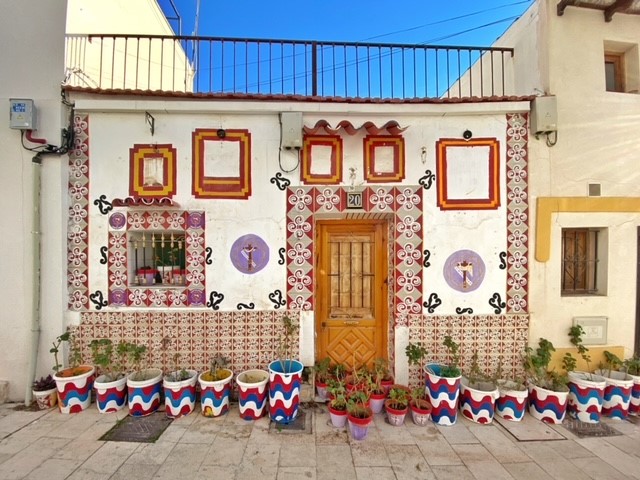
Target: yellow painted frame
547 206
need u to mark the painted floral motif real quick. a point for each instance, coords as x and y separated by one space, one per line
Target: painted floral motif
299 254
408 199
299 227
409 255
299 280
299 199
381 199
408 226
328 199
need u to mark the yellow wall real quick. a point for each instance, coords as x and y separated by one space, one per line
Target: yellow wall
596 354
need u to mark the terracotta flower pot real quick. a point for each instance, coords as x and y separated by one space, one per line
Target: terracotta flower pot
252 393
74 388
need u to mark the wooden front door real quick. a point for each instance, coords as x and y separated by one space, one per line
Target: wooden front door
351 294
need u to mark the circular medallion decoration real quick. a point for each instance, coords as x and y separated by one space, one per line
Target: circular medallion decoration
249 254
117 220
464 271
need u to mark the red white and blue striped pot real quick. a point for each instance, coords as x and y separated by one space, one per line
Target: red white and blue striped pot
547 405
144 395
478 403
617 393
214 395
586 396
180 396
443 395
512 402
634 404
252 395
110 396
284 390
74 390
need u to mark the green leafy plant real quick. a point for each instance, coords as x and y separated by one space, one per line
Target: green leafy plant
56 349
137 354
112 362
357 404
285 348
322 370
416 353
575 337
399 397
611 362
179 374
536 366
336 387
451 368
632 365
478 379
419 398
381 370
339 402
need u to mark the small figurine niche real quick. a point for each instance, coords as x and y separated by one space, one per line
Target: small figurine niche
158 258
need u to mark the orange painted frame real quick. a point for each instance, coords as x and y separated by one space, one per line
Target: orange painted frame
335 176
221 187
370 143
493 200
137 154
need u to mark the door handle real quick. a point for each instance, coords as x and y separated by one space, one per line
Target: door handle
351 322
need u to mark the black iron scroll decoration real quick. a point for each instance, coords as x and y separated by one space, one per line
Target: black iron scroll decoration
103 204
432 303
462 311
103 254
427 256
209 252
98 300
276 298
249 306
503 260
427 180
496 302
281 182
281 252
215 299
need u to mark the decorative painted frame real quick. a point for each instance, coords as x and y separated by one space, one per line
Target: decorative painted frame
122 294
221 187
370 143
166 185
335 176
492 201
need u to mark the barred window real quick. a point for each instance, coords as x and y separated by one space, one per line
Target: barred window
580 261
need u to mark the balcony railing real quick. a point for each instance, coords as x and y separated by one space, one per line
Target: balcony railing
207 65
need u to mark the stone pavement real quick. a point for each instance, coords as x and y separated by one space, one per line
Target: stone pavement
49 445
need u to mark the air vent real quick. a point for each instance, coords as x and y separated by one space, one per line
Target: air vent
594 189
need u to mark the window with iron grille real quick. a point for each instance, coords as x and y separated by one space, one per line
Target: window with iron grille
580 261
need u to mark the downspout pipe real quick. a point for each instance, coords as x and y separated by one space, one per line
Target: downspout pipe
35 300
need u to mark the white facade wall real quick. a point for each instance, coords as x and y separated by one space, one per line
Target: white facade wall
31 66
597 143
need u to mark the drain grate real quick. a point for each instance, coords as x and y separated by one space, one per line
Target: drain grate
583 429
301 424
138 429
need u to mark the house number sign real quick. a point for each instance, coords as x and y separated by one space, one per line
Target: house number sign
354 200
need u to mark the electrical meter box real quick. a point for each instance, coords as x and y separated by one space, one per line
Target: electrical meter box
544 114
291 124
22 114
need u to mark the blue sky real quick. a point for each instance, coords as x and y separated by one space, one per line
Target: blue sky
406 21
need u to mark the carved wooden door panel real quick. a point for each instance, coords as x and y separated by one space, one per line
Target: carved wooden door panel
351 295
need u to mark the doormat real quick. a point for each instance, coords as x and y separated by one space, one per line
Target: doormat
138 429
301 424
583 429
529 429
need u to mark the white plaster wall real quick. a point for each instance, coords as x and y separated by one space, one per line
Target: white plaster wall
597 143
31 66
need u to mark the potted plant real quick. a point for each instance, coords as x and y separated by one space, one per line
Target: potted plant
338 410
359 416
632 367
397 404
443 385
322 373
548 389
586 390
111 384
285 375
45 393
512 396
478 394
617 392
179 390
382 374
75 382
252 393
420 407
144 385
215 387
377 392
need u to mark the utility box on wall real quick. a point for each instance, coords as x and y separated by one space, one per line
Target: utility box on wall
544 115
22 114
291 125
